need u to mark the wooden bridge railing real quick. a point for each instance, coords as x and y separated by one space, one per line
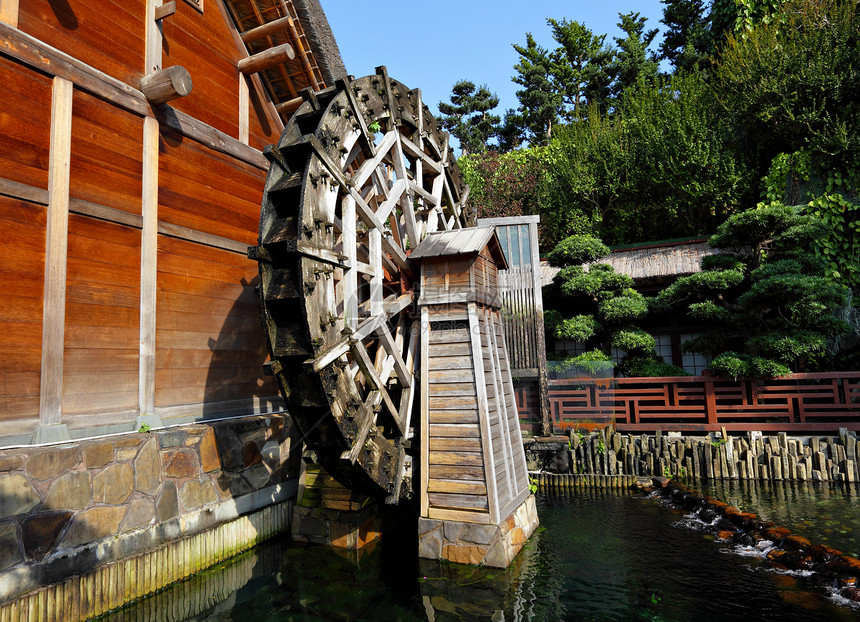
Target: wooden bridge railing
794 403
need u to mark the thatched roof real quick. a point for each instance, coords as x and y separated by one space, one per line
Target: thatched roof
649 265
302 24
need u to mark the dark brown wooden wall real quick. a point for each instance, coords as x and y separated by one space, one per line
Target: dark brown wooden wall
100 362
25 124
22 268
207 191
105 34
210 346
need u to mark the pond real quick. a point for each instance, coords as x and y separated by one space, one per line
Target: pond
599 555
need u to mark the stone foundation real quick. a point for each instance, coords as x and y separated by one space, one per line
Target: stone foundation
480 544
68 509
341 529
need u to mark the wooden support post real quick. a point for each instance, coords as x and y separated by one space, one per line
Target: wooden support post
244 109
148 266
153 37
9 12
266 59
710 402
165 85
56 245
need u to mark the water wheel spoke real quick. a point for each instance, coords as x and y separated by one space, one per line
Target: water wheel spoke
362 358
336 284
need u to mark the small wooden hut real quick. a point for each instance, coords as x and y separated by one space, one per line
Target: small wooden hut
472 466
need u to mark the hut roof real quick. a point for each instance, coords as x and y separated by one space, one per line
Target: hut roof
302 24
650 264
468 241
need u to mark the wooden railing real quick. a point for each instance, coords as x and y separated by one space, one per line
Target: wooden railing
798 402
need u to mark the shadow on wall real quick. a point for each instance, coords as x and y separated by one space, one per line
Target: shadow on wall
235 383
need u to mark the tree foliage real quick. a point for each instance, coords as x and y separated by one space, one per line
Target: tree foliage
468 116
611 308
768 300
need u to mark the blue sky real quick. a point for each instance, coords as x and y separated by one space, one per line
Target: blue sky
431 45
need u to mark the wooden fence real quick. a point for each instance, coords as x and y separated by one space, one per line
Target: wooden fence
795 403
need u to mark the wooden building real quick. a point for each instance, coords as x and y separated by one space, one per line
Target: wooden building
473 464
131 175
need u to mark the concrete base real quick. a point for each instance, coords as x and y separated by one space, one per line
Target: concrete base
55 433
340 529
479 544
153 421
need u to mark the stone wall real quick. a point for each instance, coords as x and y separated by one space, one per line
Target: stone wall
751 456
65 509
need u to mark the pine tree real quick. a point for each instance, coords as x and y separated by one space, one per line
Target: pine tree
468 116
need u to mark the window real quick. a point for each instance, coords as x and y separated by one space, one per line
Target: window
663 345
693 363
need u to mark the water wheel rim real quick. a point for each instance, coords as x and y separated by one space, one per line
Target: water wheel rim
361 174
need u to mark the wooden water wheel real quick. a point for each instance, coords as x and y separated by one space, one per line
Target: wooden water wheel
361 174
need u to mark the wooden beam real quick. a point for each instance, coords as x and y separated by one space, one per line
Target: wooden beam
9 12
165 10
148 267
284 107
483 412
275 26
266 59
262 93
32 52
167 84
56 245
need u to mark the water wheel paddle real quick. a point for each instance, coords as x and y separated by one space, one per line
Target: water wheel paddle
361 174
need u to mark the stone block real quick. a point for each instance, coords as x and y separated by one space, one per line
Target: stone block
343 536
141 512
208 448
231 485
229 447
17 495
479 534
251 454
130 441
167 506
51 462
171 438
147 468
114 484
271 454
10 551
430 544
181 463
98 455
451 530
195 494
11 463
69 492
40 533
499 555
464 554
257 476
93 524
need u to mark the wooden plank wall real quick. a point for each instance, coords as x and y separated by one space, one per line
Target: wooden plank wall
105 34
203 212
22 270
457 487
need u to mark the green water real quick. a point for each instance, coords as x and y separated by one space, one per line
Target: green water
825 512
599 555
